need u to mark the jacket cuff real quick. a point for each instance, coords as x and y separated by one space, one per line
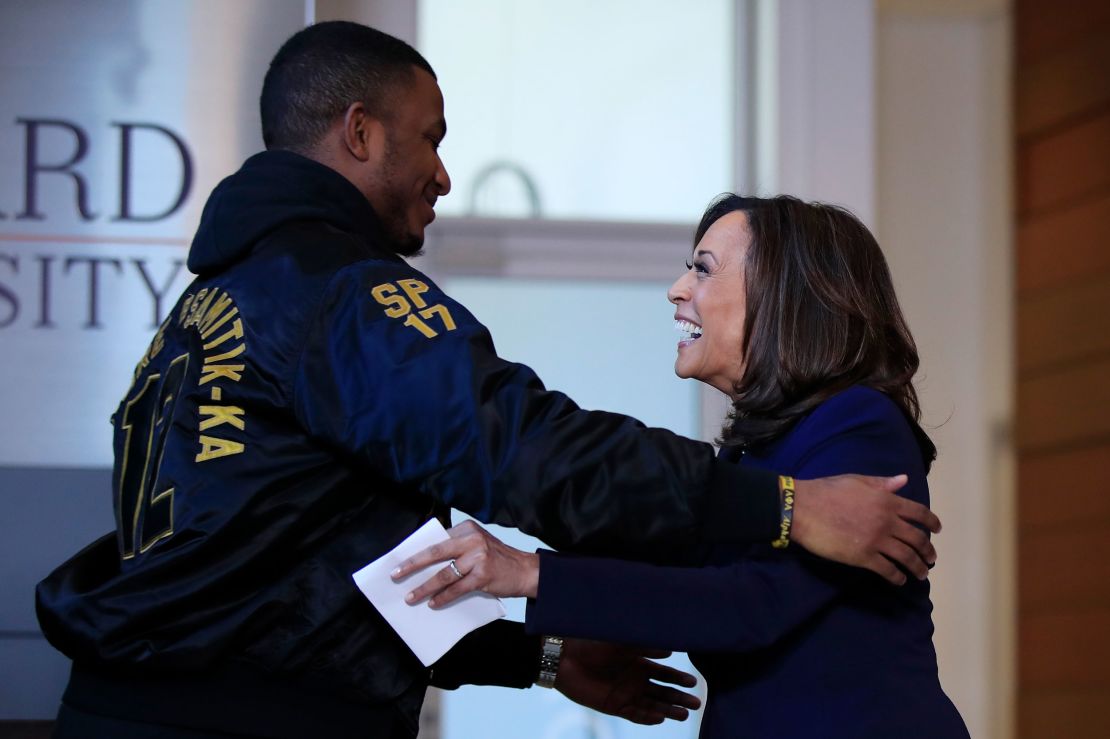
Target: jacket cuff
742 506
499 653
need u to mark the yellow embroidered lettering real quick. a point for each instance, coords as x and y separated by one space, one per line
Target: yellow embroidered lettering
185 304
210 372
443 313
420 326
226 355
236 332
214 312
212 447
159 341
413 288
200 305
216 326
221 414
396 305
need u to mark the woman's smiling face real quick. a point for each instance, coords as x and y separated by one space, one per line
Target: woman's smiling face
710 305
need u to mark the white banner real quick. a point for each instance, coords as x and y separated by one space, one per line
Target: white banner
116 120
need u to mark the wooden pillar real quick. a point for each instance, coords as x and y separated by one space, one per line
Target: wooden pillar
1062 150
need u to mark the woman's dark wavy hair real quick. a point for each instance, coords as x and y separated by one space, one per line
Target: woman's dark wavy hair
821 316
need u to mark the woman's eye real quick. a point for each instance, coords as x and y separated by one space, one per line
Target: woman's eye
689 264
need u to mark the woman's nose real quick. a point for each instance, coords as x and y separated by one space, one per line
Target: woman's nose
679 290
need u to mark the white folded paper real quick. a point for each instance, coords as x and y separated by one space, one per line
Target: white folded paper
428 632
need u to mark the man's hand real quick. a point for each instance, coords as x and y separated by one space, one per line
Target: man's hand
618 681
859 521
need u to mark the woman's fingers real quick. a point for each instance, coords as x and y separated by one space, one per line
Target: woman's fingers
442 552
466 528
500 571
465 537
454 591
477 561
434 585
462 575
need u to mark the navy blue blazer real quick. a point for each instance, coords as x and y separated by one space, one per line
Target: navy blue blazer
790 645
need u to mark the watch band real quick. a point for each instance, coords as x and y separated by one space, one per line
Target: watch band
550 655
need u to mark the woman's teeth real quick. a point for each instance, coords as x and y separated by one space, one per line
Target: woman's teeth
692 331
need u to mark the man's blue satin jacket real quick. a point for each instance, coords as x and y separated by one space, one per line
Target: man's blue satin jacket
310 401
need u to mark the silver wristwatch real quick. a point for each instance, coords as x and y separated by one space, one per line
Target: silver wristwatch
549 661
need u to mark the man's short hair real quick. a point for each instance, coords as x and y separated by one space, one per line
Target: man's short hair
320 71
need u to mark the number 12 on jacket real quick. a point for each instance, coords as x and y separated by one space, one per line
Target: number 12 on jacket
145 502
398 305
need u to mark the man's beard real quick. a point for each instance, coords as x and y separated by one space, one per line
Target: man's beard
394 215
395 224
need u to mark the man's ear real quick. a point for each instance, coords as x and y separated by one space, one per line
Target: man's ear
363 134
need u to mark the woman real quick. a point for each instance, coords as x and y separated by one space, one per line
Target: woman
787 307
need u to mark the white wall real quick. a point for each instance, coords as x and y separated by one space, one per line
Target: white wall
943 220
900 111
815 102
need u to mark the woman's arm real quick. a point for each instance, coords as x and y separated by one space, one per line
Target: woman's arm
750 604
483 435
738 607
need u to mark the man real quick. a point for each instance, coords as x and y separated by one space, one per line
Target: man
312 399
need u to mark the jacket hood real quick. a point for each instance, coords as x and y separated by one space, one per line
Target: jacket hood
273 188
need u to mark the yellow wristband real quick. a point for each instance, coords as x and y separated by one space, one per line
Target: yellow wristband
786 496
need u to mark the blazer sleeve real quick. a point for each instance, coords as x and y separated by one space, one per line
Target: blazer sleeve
754 602
398 377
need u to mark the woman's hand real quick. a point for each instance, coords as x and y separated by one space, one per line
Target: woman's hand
478 561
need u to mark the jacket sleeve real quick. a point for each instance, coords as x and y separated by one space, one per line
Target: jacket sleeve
500 653
403 379
739 607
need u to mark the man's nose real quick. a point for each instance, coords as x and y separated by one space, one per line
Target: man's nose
443 180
